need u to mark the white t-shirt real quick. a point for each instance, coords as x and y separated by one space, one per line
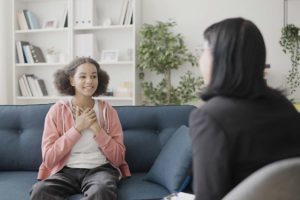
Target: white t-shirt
86 153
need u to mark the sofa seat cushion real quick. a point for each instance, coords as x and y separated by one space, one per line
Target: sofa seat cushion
135 187
16 184
138 188
21 181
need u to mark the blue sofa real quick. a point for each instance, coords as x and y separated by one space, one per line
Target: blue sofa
146 131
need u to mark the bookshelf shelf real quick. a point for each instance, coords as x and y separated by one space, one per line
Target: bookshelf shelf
40 64
48 30
36 1
112 27
63 38
117 63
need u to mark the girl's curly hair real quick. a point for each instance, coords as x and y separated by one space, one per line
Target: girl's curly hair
62 77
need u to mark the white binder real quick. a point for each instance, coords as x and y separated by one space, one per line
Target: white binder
84 13
85 45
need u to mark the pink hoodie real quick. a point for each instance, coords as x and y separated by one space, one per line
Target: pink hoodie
60 136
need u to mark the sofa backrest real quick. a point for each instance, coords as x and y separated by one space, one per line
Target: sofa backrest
21 129
146 130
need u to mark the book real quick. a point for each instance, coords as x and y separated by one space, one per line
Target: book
129 12
43 87
33 88
22 20
131 20
37 86
64 20
27 88
37 54
22 87
21 51
31 19
123 12
26 18
28 54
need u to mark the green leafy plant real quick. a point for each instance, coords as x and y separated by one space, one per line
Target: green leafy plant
161 51
290 42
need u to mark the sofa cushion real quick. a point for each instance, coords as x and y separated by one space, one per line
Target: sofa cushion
173 164
136 187
16 184
147 129
21 134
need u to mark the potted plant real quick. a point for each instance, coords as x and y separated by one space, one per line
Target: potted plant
290 42
161 51
51 56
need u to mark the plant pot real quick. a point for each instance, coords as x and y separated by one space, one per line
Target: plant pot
51 58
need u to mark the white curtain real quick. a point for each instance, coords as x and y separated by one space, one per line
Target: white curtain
5 52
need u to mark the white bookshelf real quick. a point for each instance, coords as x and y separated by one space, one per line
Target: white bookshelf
121 38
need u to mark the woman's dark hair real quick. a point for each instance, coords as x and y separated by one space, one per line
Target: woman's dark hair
239 56
62 77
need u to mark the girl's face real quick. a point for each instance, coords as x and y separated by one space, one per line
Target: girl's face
85 80
205 62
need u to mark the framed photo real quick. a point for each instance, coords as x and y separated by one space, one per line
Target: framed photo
51 23
109 56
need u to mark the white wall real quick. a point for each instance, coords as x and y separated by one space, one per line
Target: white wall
5 52
193 16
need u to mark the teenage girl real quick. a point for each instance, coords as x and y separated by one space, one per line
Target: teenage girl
82 144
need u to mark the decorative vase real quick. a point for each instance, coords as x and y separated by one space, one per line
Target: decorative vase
51 58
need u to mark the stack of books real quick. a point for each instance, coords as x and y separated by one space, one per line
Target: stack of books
28 53
27 20
32 86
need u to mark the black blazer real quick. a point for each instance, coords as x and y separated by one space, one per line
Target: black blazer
232 138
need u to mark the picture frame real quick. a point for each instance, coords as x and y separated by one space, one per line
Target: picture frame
109 56
50 23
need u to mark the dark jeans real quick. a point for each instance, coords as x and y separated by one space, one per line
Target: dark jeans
98 183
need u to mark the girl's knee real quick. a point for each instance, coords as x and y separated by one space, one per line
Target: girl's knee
102 191
36 190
